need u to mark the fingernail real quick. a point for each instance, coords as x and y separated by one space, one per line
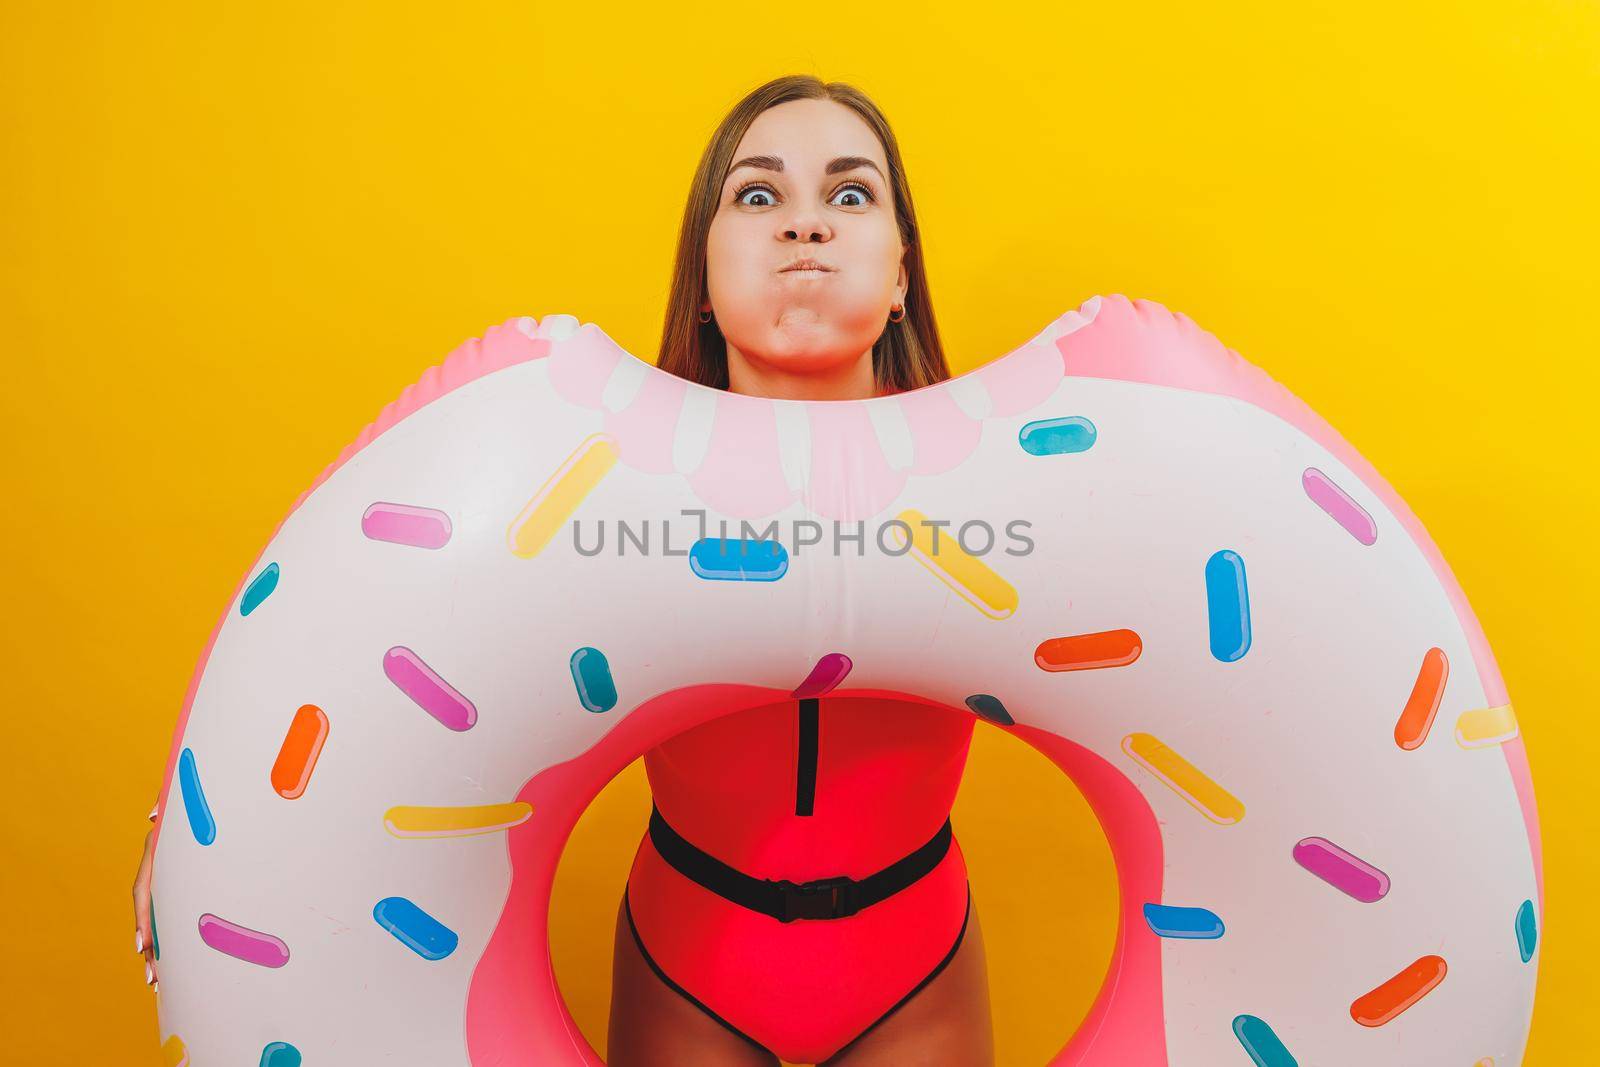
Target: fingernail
138 940
149 976
155 987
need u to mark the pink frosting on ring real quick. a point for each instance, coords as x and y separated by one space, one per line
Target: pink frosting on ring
741 473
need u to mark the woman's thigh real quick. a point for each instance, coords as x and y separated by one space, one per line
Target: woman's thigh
652 1025
946 1024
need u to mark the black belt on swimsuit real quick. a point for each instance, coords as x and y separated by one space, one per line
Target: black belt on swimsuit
822 898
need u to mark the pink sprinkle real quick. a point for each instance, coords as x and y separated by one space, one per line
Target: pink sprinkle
243 943
406 525
1336 502
1346 873
829 672
432 693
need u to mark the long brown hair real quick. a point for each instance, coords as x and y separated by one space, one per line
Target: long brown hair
907 355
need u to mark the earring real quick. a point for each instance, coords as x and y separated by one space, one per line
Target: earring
705 317
901 309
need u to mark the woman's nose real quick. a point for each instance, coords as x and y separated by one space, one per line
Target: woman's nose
805 224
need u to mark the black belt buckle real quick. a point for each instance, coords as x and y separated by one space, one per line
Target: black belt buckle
824 898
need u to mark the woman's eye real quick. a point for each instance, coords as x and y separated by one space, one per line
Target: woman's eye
856 189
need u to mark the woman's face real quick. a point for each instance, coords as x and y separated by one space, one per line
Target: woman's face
808 181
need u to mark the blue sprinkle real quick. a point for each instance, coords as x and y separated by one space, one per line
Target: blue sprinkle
597 691
1228 602
1190 923
1527 931
1262 1044
155 938
738 559
259 589
280 1054
415 928
1054 437
194 800
990 708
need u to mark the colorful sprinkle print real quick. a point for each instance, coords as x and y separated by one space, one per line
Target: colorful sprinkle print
1085 652
990 708
297 756
402 524
738 559
1336 502
956 567
1211 735
415 928
1188 781
430 692
1423 705
1400 992
243 943
1527 931
1055 437
1486 726
402 821
1261 1043
824 677
597 691
1228 605
259 589
1350 875
280 1054
561 494
1188 923
203 826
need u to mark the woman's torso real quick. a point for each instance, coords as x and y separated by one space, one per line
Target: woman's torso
846 785
778 794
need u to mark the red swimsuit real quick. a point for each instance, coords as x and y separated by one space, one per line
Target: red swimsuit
805 790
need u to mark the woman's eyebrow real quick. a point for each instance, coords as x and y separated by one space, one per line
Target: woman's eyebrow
835 166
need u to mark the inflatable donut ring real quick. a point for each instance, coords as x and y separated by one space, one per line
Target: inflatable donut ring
1160 569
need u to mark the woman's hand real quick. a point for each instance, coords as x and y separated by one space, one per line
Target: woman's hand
142 940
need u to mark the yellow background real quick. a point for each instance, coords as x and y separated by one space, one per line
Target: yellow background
232 233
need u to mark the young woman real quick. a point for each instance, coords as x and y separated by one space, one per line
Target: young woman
799 275
799 892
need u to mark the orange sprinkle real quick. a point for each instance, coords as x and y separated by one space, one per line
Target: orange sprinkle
1417 718
1082 652
301 746
1398 993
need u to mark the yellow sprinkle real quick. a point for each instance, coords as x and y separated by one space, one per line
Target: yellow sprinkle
1486 726
173 1054
561 494
455 822
1188 781
957 568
